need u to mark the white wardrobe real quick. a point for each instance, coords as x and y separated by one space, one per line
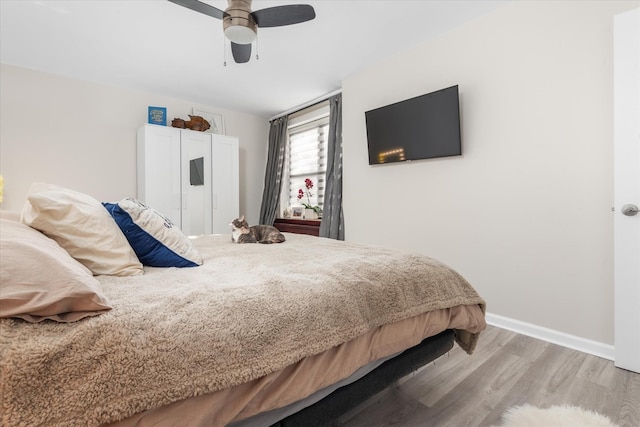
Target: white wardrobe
190 177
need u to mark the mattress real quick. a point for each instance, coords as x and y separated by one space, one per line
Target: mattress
304 378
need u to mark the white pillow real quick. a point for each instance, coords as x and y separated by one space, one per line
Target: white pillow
82 226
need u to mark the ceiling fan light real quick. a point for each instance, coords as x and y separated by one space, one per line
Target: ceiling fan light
240 34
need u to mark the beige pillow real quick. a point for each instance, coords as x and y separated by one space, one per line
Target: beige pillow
39 280
83 227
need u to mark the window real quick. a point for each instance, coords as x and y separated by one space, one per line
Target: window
306 156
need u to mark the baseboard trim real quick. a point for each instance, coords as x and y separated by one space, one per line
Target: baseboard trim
606 351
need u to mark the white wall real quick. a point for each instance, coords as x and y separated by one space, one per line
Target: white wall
82 135
525 213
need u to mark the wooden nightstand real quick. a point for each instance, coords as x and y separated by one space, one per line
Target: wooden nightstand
298 226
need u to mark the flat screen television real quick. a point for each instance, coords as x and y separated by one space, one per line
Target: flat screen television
423 127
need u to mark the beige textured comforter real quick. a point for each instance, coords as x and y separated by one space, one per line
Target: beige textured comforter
250 310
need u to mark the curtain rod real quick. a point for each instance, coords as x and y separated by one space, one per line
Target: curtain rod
307 104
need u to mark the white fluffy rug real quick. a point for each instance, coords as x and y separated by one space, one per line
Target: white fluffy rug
555 416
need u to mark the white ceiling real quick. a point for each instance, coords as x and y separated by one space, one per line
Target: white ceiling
163 48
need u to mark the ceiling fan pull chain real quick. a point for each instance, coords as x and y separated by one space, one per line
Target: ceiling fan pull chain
224 51
257 48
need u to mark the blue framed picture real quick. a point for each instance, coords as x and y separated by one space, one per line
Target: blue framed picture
158 116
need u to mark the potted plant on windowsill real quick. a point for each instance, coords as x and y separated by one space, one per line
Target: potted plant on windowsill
310 212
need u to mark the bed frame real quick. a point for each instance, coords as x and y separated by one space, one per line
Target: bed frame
327 411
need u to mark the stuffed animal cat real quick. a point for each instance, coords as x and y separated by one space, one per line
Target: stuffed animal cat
242 233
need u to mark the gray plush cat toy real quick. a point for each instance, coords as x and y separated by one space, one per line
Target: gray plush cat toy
242 233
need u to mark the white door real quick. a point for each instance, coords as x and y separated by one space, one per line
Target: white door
627 189
226 189
158 173
195 160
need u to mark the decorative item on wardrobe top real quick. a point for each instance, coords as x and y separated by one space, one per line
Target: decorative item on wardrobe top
157 115
196 123
201 121
216 120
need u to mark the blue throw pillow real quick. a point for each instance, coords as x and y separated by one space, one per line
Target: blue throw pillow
153 237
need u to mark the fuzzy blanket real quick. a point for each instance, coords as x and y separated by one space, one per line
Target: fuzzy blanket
248 311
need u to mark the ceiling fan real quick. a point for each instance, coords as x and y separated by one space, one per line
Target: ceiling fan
241 24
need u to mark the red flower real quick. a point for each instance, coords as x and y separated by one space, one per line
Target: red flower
301 194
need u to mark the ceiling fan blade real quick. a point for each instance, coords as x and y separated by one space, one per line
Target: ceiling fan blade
283 15
198 6
241 52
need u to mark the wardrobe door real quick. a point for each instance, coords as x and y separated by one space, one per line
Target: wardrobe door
226 188
158 170
195 160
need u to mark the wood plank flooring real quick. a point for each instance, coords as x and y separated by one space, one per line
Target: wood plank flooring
506 369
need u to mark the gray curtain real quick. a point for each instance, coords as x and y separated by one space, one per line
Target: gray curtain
273 174
332 224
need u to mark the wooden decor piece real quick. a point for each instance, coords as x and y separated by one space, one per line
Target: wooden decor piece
196 123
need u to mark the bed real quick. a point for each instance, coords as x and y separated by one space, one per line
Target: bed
283 334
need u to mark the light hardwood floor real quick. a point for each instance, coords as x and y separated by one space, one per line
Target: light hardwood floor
506 369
